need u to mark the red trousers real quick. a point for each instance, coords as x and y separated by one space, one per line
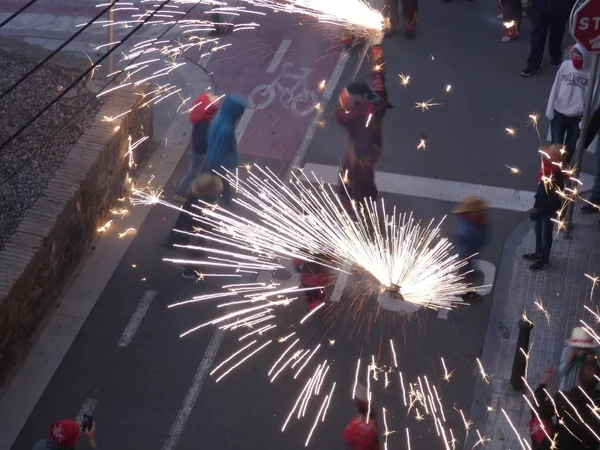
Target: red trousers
410 12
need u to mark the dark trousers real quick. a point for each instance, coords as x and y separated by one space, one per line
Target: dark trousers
565 131
513 11
226 195
410 11
543 236
543 22
595 196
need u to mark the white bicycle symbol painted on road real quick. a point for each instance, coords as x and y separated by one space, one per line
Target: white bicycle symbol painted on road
299 98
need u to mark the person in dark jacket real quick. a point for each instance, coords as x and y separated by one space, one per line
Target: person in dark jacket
203 109
575 411
547 16
547 203
360 110
472 234
222 149
410 13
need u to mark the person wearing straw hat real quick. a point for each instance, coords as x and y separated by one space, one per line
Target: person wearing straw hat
580 348
471 234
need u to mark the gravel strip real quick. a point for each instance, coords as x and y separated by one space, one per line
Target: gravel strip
19 191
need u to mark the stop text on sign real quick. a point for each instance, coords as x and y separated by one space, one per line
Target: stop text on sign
584 23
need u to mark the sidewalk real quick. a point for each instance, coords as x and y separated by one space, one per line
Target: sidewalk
564 290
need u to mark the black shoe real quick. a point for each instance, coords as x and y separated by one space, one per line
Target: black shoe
531 256
538 265
472 296
556 64
189 274
589 209
528 71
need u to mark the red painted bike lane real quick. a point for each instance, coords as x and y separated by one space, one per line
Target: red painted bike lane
282 68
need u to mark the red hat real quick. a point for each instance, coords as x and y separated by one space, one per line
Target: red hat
64 432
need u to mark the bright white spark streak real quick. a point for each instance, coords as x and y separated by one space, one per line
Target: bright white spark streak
260 331
301 357
307 396
356 379
322 378
232 356
295 355
393 353
282 356
312 312
244 359
307 360
484 375
316 420
407 439
285 338
514 429
439 403
328 401
300 396
403 389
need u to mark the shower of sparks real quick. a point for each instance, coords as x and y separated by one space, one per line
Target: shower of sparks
484 375
424 106
404 79
513 170
398 254
407 439
511 132
540 306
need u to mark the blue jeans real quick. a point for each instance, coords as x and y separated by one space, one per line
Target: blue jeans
543 237
565 130
196 160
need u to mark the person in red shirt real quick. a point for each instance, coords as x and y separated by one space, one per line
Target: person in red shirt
362 432
313 274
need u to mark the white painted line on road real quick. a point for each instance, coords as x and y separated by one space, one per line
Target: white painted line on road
243 123
489 273
136 319
340 283
278 56
194 391
443 314
452 191
312 126
87 408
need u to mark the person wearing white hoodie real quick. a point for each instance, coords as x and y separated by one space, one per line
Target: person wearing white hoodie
567 99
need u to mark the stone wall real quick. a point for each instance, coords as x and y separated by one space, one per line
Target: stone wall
53 236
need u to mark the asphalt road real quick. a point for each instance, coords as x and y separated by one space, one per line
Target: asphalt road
141 390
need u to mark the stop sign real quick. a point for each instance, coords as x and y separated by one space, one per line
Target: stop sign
585 24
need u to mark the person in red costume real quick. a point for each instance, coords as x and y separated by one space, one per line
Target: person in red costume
64 435
362 432
312 275
360 109
410 13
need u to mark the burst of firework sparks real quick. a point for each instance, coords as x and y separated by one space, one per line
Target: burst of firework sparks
540 306
404 258
595 280
510 131
484 375
482 440
526 319
514 170
424 106
404 79
104 227
447 374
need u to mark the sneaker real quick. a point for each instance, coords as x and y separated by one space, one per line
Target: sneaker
531 256
538 265
556 64
528 71
506 39
500 16
589 209
179 199
189 274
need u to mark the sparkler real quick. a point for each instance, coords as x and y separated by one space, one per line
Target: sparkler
404 79
511 132
424 106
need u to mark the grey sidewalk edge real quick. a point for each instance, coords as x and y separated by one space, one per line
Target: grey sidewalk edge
491 344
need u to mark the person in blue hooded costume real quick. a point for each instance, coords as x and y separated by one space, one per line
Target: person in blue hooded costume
222 144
